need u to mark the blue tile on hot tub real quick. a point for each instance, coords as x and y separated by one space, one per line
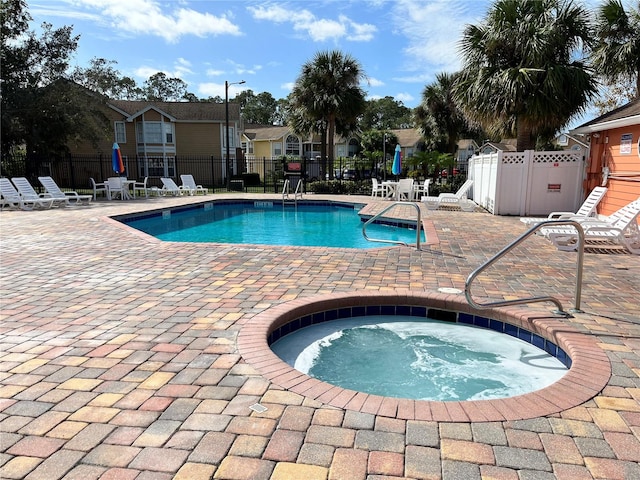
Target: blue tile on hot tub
465 318
496 325
511 330
373 310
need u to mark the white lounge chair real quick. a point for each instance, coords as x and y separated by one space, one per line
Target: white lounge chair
449 199
620 228
587 209
98 187
189 185
169 187
52 190
28 194
12 198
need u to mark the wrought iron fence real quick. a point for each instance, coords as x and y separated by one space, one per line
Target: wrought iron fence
255 175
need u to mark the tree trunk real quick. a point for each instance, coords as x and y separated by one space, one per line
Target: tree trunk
323 151
330 135
524 136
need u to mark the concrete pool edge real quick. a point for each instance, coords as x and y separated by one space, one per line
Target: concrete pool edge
588 375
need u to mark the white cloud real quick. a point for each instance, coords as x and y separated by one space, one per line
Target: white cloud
148 17
432 29
317 29
404 97
212 89
374 82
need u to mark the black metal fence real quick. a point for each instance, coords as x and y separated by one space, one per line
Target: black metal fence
73 172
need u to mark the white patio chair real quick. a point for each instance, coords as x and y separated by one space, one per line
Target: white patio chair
421 189
98 188
189 185
587 209
378 188
619 228
28 194
52 189
141 187
405 189
115 188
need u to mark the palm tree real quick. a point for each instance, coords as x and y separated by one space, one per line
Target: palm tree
617 52
439 116
327 98
521 68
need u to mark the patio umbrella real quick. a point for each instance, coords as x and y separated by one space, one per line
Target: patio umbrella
116 159
397 162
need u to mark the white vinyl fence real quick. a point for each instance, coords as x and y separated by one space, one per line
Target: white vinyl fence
528 183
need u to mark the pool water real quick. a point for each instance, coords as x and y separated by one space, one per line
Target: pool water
267 223
408 357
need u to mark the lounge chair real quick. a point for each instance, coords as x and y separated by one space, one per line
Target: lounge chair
620 228
189 185
51 188
29 195
449 199
169 187
98 187
12 198
587 209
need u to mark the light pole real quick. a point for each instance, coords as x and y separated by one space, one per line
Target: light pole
226 116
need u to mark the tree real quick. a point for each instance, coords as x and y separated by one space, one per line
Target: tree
385 113
160 88
522 69
614 94
327 98
258 109
617 52
41 110
102 77
440 118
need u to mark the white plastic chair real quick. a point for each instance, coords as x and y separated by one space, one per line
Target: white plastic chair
378 188
115 188
405 189
170 187
141 187
98 187
28 194
420 189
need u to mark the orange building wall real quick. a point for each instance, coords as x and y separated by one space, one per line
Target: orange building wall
624 187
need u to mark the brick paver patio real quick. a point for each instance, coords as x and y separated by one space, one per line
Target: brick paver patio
119 356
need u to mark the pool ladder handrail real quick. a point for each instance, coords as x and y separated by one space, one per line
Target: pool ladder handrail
517 241
397 242
296 194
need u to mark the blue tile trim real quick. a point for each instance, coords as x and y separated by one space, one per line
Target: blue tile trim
421 312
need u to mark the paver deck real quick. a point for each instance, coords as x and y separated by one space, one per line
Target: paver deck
119 356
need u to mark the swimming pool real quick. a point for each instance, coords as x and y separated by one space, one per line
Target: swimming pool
321 224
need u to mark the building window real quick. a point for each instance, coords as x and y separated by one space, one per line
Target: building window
277 149
151 166
121 133
155 132
292 146
563 140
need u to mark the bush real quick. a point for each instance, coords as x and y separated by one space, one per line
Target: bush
344 187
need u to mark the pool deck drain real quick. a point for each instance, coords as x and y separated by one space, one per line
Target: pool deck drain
119 356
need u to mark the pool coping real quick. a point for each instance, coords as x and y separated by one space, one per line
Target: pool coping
589 373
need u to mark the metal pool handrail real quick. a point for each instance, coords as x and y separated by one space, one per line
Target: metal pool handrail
397 242
517 241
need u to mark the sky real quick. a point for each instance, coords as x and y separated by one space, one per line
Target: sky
401 45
